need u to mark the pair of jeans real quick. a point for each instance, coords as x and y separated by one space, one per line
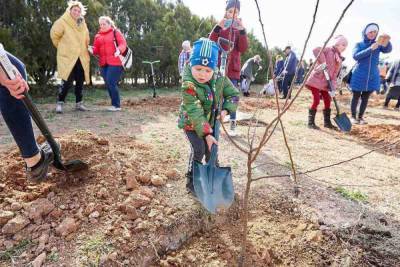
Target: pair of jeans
235 83
111 76
78 75
363 106
287 81
17 117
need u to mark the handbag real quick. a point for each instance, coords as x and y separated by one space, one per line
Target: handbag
347 78
126 57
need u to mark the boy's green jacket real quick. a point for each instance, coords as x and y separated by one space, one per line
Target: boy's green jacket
196 110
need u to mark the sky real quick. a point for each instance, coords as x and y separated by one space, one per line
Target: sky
287 22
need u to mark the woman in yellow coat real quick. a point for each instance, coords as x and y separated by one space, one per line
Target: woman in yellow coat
70 36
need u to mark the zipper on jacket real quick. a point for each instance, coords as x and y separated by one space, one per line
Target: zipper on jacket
369 72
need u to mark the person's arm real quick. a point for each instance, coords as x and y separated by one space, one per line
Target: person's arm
359 53
193 108
243 42
386 49
390 73
181 62
56 33
96 45
16 86
215 33
321 59
121 41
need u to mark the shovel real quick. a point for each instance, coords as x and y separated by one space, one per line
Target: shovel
341 119
213 184
70 166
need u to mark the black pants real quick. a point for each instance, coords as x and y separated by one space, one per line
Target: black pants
363 106
287 81
77 75
394 93
198 149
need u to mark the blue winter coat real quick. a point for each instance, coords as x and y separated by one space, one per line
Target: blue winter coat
365 76
290 63
278 67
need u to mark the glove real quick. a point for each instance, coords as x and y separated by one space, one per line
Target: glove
90 49
253 79
332 93
284 72
117 53
260 68
322 67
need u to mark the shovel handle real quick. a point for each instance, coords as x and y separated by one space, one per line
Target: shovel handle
330 87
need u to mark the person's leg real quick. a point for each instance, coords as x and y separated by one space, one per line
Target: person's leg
327 110
313 109
63 92
398 103
79 75
103 72
285 84
114 74
363 105
354 104
232 115
197 152
291 77
18 120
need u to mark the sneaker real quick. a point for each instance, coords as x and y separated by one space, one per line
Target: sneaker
113 109
80 107
354 120
232 130
385 107
59 107
362 121
39 172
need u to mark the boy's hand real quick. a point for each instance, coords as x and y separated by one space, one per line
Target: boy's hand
16 86
210 141
374 46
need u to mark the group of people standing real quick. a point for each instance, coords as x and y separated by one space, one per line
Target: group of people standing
70 36
365 75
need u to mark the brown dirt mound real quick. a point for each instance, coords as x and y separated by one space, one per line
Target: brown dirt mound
118 194
253 104
380 135
162 103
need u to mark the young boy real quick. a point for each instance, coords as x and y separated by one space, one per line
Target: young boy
201 95
184 56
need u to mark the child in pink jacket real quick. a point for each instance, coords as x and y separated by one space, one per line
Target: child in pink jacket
330 59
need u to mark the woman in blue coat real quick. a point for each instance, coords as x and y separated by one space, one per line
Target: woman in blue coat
365 77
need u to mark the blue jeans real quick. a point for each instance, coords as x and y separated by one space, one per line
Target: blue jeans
235 82
17 117
111 76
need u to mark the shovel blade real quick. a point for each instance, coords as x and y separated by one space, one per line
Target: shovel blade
213 186
71 166
343 122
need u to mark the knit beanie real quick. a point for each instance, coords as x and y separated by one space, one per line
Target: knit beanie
340 39
204 53
232 3
371 27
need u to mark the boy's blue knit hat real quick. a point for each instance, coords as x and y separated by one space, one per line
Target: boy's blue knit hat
232 3
204 53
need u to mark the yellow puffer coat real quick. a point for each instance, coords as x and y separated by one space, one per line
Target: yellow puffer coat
71 42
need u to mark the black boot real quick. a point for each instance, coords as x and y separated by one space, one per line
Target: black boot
189 183
327 119
311 119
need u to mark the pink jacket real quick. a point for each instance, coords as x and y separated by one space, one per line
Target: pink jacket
333 61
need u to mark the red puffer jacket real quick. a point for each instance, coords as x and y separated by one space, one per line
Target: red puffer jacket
104 47
241 44
333 61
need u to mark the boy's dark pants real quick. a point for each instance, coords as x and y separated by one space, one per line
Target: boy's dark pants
198 149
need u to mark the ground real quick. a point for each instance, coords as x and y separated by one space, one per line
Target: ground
130 208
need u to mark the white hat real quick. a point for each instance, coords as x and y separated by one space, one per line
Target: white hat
371 28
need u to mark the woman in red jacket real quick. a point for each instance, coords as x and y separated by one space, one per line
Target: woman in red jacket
239 38
109 44
330 59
